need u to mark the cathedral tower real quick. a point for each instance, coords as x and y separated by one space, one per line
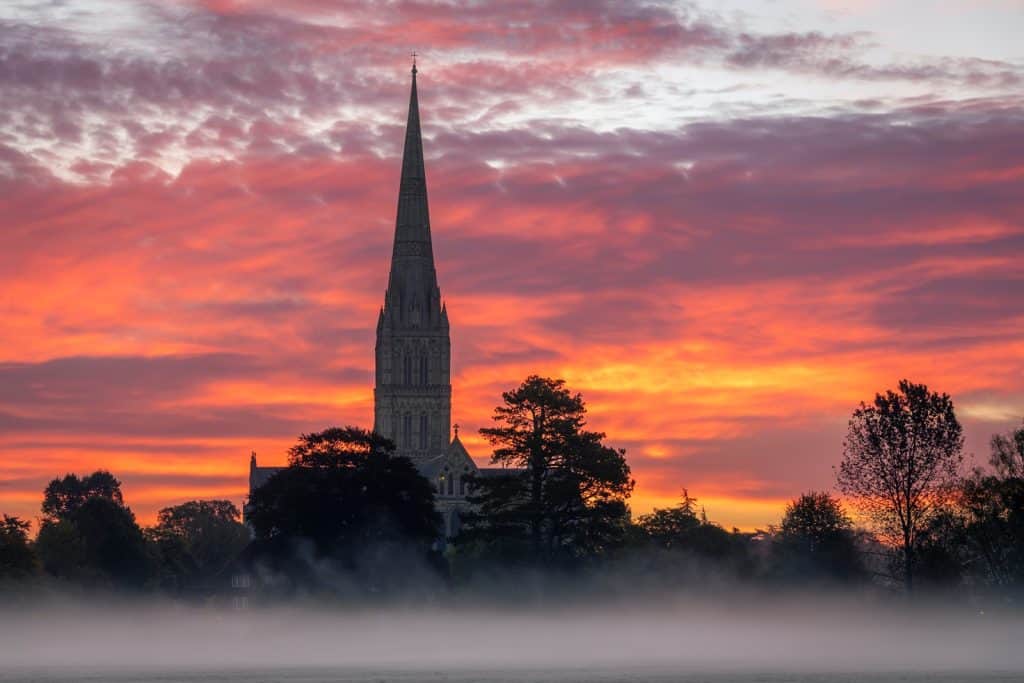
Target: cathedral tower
412 392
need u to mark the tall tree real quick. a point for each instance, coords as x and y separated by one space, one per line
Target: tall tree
197 540
1007 454
89 535
564 494
347 494
901 465
64 496
816 540
99 543
993 509
17 558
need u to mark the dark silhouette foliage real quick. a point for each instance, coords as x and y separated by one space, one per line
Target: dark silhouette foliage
348 501
17 557
195 541
901 466
564 495
63 497
681 529
96 543
992 505
1007 455
816 541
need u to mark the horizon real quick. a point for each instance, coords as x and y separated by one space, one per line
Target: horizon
724 228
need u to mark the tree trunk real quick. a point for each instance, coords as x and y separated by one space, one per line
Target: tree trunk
908 563
536 523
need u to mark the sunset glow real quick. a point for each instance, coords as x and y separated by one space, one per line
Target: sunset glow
724 224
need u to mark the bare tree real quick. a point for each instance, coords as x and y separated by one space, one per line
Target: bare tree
1008 454
901 464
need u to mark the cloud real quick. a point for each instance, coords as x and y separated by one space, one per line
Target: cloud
194 242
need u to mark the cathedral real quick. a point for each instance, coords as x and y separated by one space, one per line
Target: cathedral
412 395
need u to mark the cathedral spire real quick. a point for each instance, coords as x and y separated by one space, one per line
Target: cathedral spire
413 222
413 297
412 394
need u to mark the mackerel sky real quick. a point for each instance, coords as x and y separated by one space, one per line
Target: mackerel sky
724 223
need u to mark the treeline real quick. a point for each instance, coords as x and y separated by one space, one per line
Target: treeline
350 518
89 539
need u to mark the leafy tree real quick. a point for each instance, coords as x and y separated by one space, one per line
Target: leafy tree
63 497
901 465
816 540
89 535
195 541
668 527
681 528
1007 458
992 504
98 542
941 551
352 499
17 558
564 495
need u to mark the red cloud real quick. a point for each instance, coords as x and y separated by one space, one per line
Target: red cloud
723 292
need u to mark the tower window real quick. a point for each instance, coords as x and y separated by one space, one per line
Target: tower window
407 430
424 370
423 431
451 485
407 369
462 482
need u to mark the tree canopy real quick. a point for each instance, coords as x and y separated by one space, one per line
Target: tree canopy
351 498
89 535
17 559
992 504
64 496
564 493
901 465
816 540
195 541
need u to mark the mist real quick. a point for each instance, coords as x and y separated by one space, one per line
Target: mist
679 636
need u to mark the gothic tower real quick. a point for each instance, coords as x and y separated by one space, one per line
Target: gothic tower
412 392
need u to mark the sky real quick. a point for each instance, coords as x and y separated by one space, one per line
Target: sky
725 224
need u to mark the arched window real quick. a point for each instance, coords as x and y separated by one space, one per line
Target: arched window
407 430
451 485
462 481
423 431
407 369
424 370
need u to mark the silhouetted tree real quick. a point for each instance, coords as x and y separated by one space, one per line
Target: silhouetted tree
564 495
98 542
355 502
63 497
195 541
816 540
1007 455
682 528
17 558
992 504
89 535
668 527
941 552
901 464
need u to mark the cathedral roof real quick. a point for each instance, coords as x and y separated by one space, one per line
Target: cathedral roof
258 476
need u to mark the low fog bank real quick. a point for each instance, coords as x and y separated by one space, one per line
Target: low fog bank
822 634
